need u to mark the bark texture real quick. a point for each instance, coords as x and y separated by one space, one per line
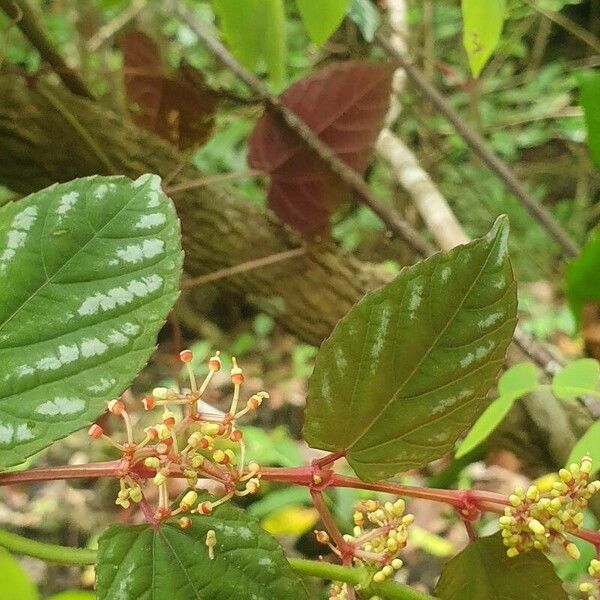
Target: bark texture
48 135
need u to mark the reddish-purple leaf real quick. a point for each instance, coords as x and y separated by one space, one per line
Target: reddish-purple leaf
344 104
180 108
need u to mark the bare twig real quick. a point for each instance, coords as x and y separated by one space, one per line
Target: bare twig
24 17
243 267
107 31
568 25
349 176
479 147
211 180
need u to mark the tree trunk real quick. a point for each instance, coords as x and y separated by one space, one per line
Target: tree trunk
49 135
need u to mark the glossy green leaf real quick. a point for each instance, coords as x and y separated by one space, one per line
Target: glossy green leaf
482 28
588 444
15 583
88 272
254 30
517 382
576 379
589 84
137 562
366 16
583 283
409 368
322 18
483 571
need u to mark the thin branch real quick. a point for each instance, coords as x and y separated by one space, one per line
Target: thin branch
211 180
349 176
111 28
480 148
568 25
26 20
243 267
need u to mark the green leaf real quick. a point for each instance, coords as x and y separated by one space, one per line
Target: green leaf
589 84
583 283
255 31
482 570
16 583
588 444
138 562
74 595
517 382
88 272
482 28
409 368
322 18
366 16
274 447
576 379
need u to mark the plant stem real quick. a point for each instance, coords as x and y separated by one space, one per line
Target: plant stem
79 556
48 552
355 576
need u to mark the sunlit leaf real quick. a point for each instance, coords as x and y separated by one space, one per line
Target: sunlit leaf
576 379
88 272
15 582
254 30
322 18
290 520
517 382
587 445
409 368
344 104
589 84
583 283
482 27
482 570
138 562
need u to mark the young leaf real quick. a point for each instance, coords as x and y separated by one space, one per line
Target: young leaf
588 444
16 583
322 18
576 379
180 109
140 562
517 382
482 27
589 84
409 368
88 273
255 30
344 104
583 284
482 570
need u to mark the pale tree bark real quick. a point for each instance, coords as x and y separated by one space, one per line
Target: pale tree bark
49 135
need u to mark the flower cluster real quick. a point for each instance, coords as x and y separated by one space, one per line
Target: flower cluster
191 441
380 533
536 520
591 590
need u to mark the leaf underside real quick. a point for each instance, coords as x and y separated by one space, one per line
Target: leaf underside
409 368
344 104
137 562
482 570
88 272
